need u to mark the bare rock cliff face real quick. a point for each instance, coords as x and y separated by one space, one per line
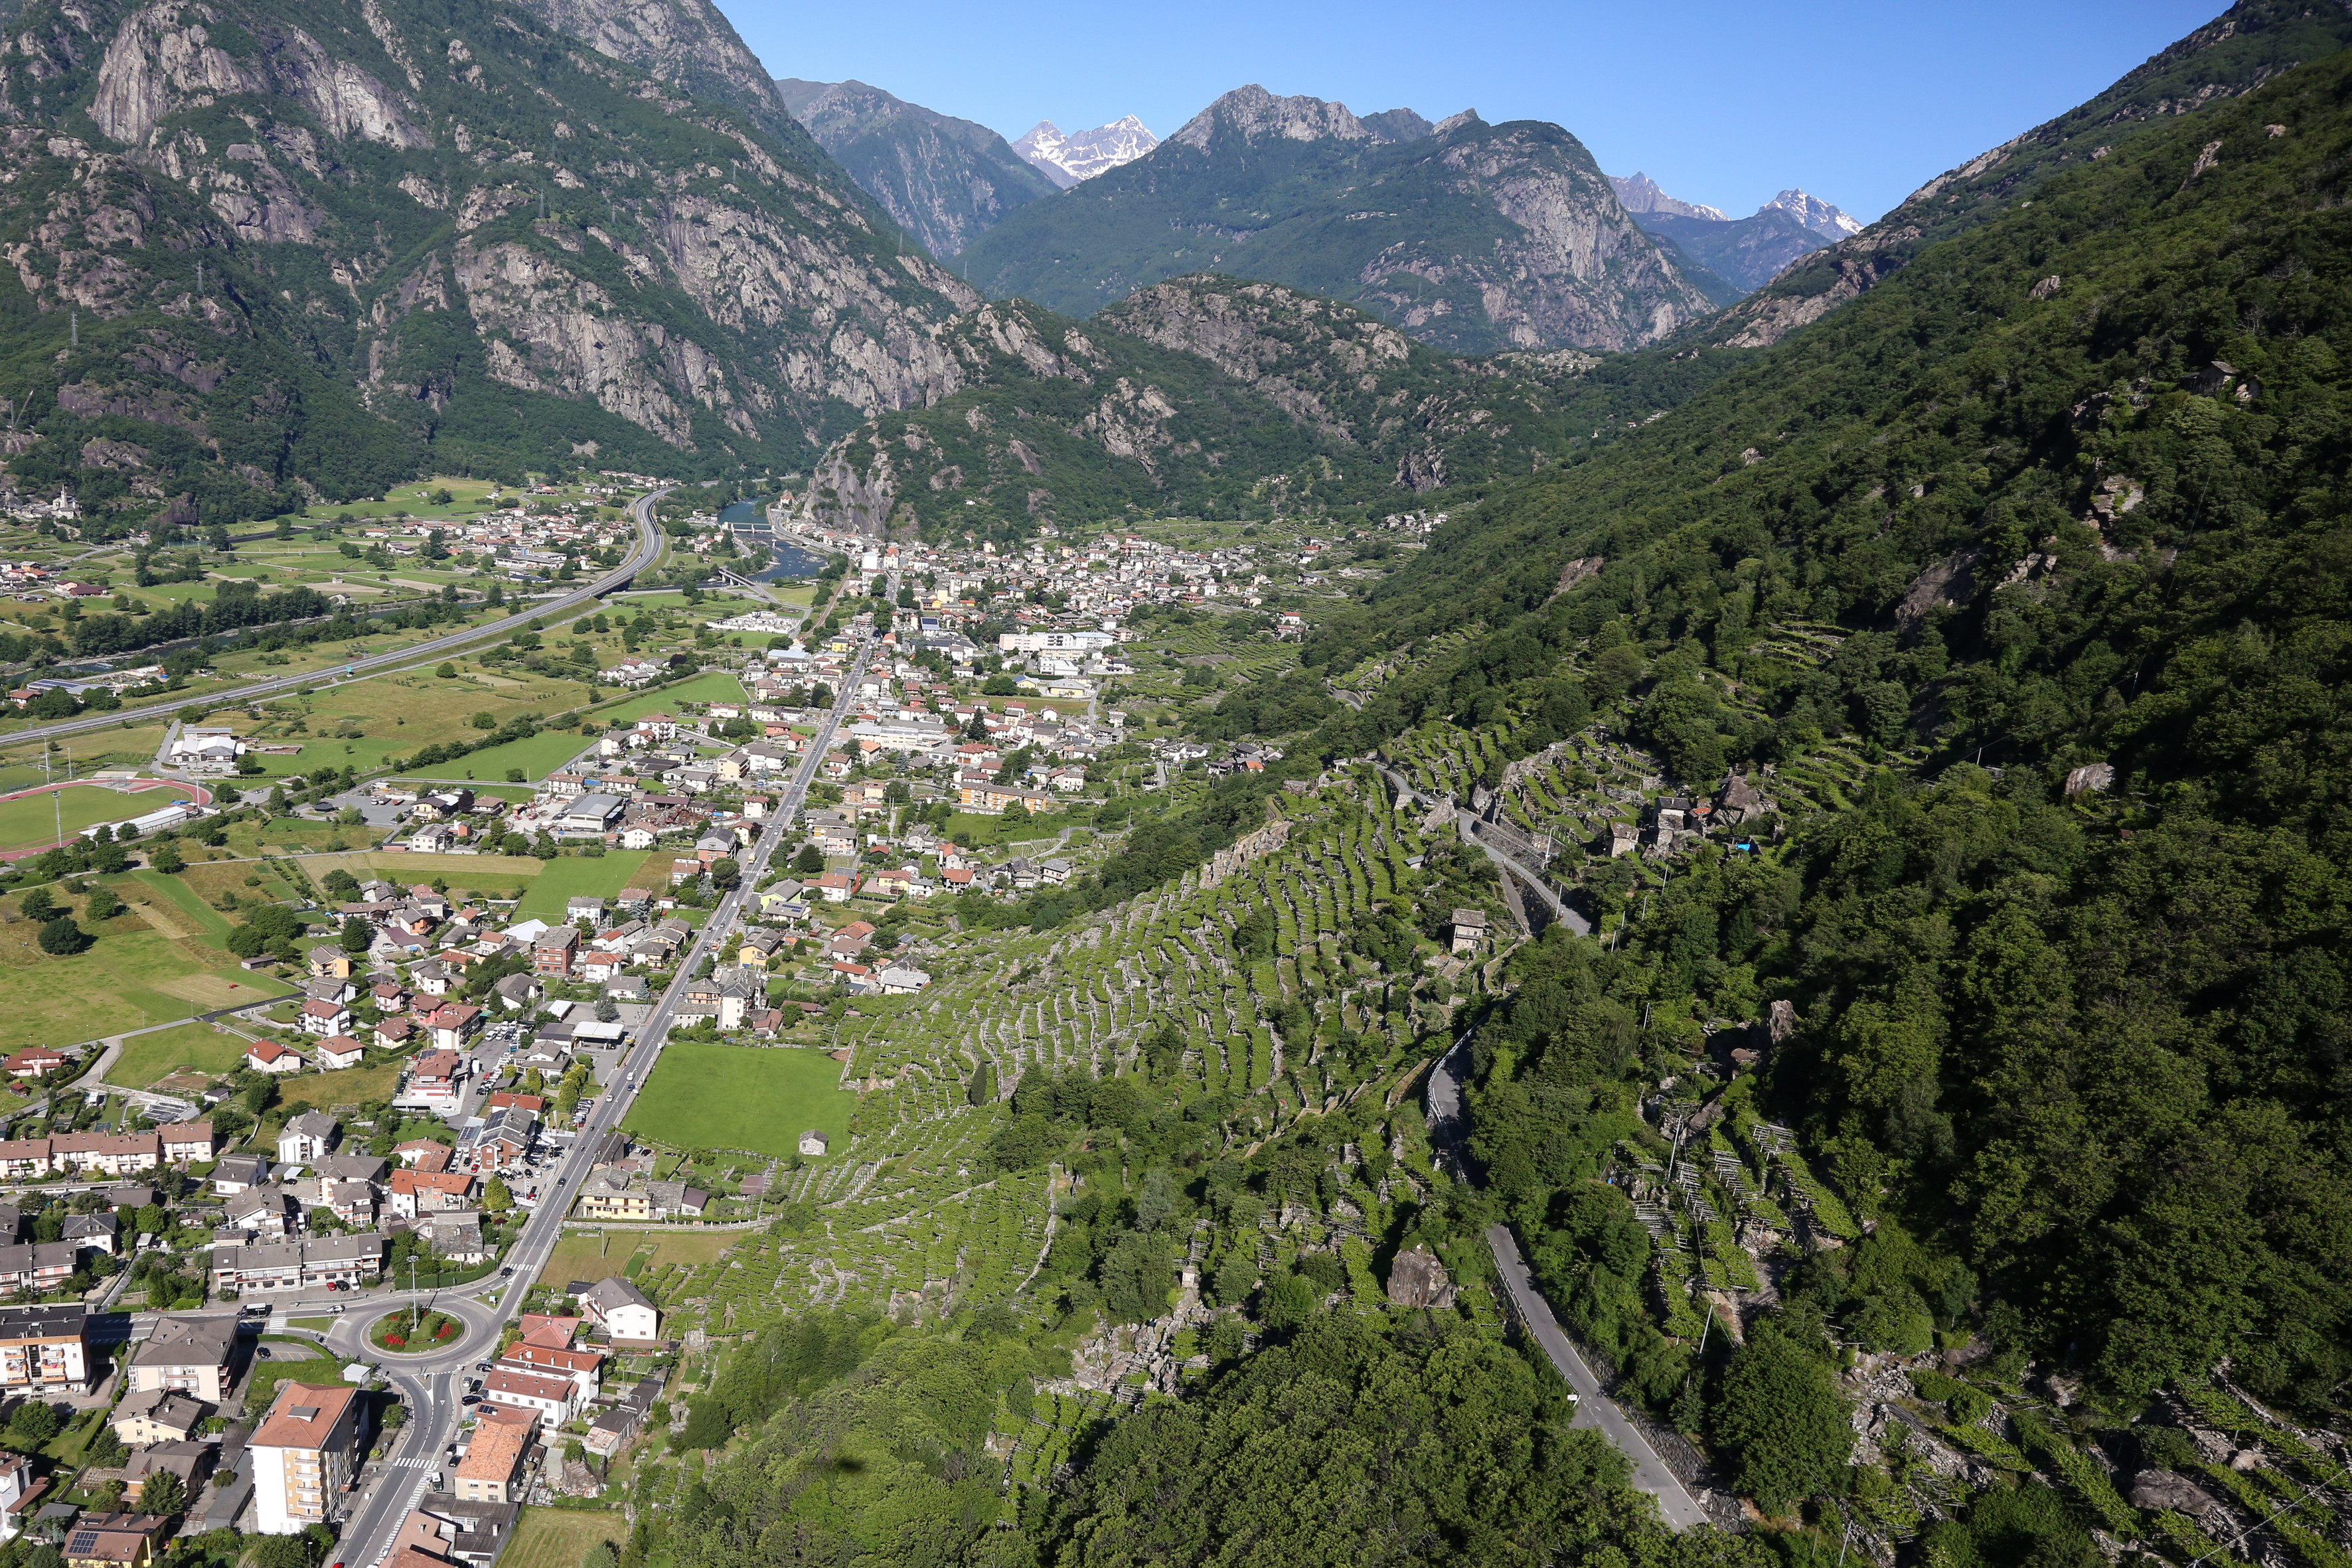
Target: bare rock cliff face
1579 272
494 236
686 43
941 179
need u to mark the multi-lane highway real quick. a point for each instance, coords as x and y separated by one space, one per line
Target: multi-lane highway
648 546
433 1386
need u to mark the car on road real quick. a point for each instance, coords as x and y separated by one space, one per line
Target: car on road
261 1351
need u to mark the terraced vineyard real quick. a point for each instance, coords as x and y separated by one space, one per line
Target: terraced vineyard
910 1212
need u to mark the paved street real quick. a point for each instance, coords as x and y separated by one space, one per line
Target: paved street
430 1384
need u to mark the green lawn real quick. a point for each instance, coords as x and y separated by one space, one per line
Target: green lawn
147 1058
560 1538
291 1360
34 818
569 878
737 1097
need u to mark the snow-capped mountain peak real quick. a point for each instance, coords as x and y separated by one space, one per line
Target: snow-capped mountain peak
1066 159
1815 214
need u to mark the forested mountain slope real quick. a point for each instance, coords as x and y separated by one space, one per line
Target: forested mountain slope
1213 396
2072 487
278 245
1473 237
2251 42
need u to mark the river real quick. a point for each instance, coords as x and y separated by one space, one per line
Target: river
791 562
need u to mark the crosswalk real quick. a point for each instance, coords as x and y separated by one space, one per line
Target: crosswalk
416 1464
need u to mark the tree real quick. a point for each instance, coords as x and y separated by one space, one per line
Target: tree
61 937
446 672
33 1423
809 862
248 942
497 1198
166 858
162 1493
356 936
1781 1421
37 904
725 873
105 903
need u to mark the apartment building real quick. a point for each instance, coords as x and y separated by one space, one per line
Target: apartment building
305 1452
44 1350
187 1355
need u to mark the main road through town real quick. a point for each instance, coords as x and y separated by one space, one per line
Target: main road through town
648 546
433 1387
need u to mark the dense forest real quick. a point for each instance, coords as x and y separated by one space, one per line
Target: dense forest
2073 487
2063 1065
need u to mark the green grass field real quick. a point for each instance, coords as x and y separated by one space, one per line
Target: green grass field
147 1058
735 1097
545 753
34 819
568 879
131 977
560 1538
595 1255
183 904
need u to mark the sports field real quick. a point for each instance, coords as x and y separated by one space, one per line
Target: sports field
33 819
740 1096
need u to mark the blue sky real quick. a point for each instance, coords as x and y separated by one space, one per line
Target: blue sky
1722 103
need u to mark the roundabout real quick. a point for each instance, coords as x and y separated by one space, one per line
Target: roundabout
414 1330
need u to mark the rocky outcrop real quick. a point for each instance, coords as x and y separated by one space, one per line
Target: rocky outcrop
941 179
1418 1279
1250 115
686 43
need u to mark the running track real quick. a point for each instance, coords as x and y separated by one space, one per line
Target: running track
201 796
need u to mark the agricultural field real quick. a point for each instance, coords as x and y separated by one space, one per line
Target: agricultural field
363 723
151 964
560 1538
735 1097
478 876
592 1255
579 878
148 1058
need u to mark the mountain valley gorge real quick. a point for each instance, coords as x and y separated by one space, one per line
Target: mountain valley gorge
1345 843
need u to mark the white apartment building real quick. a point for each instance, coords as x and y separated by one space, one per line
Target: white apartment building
304 1454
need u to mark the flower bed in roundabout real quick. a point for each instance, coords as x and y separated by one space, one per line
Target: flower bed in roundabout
409 1333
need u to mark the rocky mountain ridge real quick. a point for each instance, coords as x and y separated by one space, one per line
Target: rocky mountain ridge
942 179
1066 159
1473 237
426 234
1204 393
1641 195
2248 45
1815 214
